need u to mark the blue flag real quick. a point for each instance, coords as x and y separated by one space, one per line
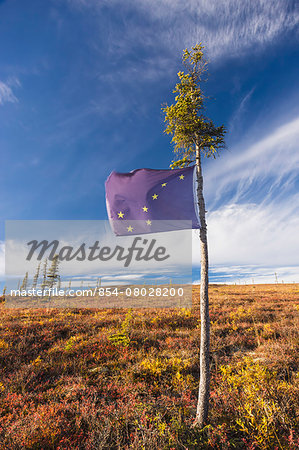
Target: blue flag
160 200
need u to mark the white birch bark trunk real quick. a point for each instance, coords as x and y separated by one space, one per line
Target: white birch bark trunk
204 384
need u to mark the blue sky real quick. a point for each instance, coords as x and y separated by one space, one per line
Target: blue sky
81 88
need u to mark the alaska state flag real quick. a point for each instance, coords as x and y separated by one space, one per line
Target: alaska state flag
150 201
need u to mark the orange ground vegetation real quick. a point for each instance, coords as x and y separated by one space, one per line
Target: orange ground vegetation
128 379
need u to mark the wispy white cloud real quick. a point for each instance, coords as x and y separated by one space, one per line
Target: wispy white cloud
6 92
250 234
252 242
272 161
253 206
250 274
240 111
227 28
149 68
253 234
128 277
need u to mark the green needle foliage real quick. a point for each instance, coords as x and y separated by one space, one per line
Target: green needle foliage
123 336
185 119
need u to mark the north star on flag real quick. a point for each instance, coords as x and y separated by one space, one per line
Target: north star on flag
160 200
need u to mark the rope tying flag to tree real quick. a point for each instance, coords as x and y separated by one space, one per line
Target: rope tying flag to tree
157 199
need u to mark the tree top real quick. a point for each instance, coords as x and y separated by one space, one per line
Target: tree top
185 118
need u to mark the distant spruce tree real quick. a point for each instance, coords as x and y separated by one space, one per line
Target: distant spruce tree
36 276
44 283
53 273
24 283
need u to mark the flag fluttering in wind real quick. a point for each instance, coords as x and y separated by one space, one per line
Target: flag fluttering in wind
160 200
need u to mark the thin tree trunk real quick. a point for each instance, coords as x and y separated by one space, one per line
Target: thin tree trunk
204 384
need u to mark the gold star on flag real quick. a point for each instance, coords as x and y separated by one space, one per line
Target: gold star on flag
129 228
148 222
155 196
182 177
163 185
145 209
120 215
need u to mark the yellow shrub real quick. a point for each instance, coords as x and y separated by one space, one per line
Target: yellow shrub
3 344
71 342
154 366
257 408
158 366
37 362
267 331
237 316
185 312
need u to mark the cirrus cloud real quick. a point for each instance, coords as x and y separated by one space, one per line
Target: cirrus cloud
227 28
6 92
